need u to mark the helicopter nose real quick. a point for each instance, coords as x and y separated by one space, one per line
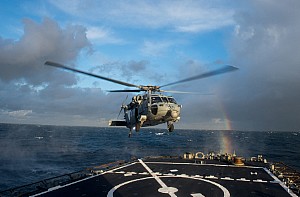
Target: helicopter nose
174 114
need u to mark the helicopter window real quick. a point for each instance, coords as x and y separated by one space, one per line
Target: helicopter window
165 100
155 99
172 100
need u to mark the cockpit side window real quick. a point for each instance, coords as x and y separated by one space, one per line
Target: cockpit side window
172 100
155 99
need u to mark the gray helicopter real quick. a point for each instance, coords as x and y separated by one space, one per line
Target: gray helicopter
152 107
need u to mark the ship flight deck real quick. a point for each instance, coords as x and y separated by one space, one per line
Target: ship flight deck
163 176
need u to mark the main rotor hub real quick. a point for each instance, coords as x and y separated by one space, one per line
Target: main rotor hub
150 88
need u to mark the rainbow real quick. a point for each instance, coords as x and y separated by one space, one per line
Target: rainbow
225 136
227 123
226 119
225 142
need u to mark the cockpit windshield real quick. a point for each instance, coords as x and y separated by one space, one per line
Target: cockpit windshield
155 99
165 100
172 100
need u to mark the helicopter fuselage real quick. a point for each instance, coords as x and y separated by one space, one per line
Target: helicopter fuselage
150 110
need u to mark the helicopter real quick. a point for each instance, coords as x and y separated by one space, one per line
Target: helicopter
152 107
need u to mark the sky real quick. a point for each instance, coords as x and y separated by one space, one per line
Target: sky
152 42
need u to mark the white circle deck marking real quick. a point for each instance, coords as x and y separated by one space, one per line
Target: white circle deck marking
225 191
165 189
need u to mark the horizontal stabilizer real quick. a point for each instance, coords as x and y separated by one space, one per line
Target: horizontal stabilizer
117 123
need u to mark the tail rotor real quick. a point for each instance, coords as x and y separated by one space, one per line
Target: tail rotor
122 106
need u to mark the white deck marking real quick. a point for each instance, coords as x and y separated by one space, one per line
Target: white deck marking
198 176
227 179
260 181
111 192
225 191
276 180
115 169
211 177
243 179
90 177
128 174
165 189
197 195
121 172
143 173
197 164
169 174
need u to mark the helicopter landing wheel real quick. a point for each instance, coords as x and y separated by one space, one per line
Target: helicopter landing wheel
171 128
130 132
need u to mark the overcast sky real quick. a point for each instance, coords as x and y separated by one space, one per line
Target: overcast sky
152 42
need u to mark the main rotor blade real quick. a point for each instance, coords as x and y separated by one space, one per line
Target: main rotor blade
49 63
124 90
181 92
225 69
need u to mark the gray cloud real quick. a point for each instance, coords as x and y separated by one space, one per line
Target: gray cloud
129 71
23 59
264 94
33 93
133 68
203 110
58 104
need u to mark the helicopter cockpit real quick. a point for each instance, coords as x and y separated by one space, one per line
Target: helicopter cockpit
162 98
156 99
172 100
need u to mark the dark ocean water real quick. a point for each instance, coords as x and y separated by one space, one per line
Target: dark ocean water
29 153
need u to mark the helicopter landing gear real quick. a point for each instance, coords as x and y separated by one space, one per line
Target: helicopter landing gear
170 127
130 132
137 126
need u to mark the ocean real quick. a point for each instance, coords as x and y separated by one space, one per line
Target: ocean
29 153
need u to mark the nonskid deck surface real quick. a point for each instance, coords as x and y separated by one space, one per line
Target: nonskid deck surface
159 177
